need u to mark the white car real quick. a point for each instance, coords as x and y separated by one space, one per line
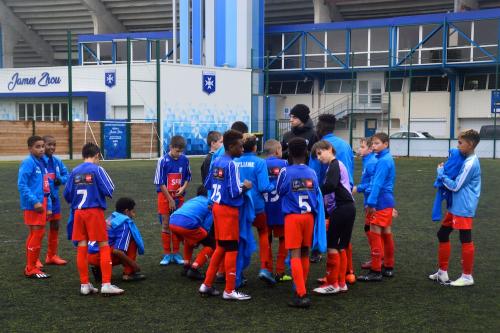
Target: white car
413 135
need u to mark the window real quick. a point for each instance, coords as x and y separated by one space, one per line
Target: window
419 84
438 83
492 82
289 87
42 111
475 82
333 86
346 86
395 86
304 87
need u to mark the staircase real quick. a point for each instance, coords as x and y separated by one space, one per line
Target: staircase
343 107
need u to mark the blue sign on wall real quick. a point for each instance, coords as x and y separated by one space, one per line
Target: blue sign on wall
115 141
495 101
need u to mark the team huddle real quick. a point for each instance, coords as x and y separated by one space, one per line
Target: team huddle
306 202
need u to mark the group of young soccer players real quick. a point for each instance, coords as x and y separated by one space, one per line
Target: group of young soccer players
306 203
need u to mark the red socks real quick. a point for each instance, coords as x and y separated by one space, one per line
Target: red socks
106 264
343 267
230 263
214 265
280 262
444 252
376 247
263 247
305 267
34 244
176 242
349 258
203 256
332 268
298 276
82 264
53 242
165 241
467 257
388 250
188 253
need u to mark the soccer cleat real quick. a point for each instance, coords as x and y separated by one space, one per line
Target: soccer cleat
206 291
300 302
36 274
236 296
195 274
267 277
177 258
96 272
327 289
282 277
321 280
372 276
55 260
137 276
167 259
441 277
315 257
88 289
343 289
463 282
388 272
108 289
39 264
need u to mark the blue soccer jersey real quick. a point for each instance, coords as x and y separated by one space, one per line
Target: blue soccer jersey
253 168
369 163
224 182
382 184
273 201
192 214
118 238
298 189
88 186
172 173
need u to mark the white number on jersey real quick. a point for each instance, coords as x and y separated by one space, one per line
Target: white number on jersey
216 196
271 197
84 197
303 204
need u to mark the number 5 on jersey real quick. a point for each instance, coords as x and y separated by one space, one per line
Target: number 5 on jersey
303 204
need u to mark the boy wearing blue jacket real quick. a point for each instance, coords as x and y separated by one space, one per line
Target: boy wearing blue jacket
254 169
58 175
192 223
381 204
466 189
34 191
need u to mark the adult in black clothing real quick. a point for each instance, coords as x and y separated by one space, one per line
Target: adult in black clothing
302 127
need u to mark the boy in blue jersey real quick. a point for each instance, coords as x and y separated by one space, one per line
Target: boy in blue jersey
214 142
192 223
125 241
298 188
227 197
380 209
368 162
254 169
34 191
86 191
466 189
172 177
58 175
325 130
275 218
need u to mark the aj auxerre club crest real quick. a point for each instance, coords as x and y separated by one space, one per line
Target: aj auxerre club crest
110 79
208 82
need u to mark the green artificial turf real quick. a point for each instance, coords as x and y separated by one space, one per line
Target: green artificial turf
167 302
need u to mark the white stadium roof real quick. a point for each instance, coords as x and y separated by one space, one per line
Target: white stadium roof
40 25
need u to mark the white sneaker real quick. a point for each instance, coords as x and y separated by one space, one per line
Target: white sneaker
236 295
108 289
208 291
326 289
440 276
343 289
463 281
87 289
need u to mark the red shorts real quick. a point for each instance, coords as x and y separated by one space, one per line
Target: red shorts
163 206
89 224
260 221
457 222
277 230
381 218
298 230
190 236
55 217
226 222
31 217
